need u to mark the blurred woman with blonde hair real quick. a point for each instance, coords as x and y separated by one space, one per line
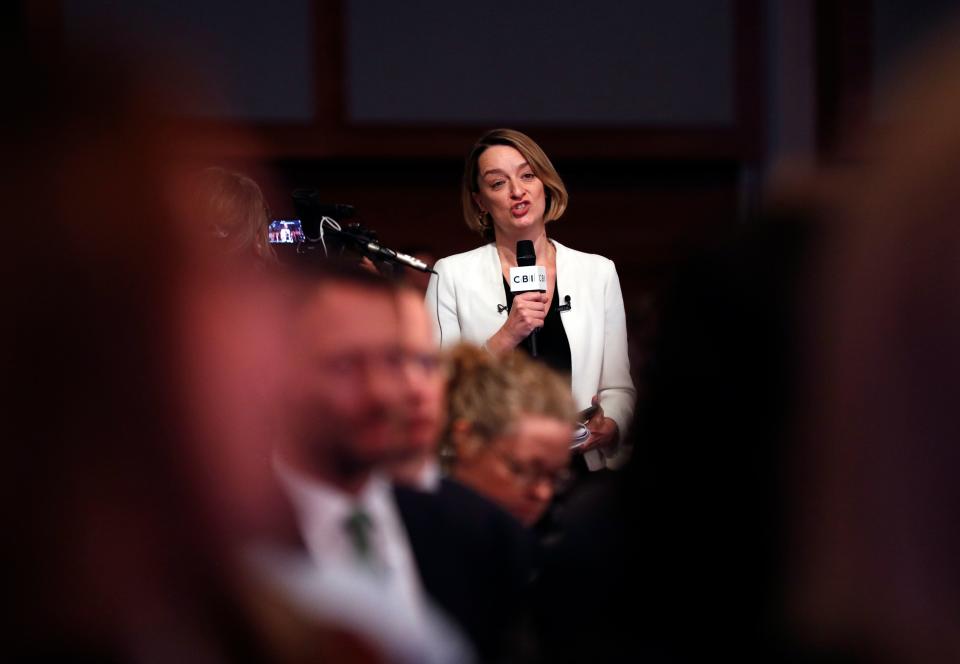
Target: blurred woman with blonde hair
508 429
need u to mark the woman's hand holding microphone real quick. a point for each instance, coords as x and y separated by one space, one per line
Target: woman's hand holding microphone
526 315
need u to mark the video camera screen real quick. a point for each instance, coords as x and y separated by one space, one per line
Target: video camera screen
285 231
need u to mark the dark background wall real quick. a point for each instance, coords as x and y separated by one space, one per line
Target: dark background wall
665 119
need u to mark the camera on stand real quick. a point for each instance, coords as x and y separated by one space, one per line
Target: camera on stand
322 231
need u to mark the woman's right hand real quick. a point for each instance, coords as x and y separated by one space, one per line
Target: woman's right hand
526 315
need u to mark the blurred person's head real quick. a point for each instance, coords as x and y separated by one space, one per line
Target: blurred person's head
883 499
488 207
125 369
230 208
423 412
349 390
508 429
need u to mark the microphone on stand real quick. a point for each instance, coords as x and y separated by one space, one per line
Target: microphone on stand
318 219
373 249
528 276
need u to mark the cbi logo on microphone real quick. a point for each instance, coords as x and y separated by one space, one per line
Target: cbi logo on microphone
530 278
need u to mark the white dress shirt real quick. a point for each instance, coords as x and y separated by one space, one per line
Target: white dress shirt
429 478
321 512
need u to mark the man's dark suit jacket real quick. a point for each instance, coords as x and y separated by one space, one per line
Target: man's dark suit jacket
474 559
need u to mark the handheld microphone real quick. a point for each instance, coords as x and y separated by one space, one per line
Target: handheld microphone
528 276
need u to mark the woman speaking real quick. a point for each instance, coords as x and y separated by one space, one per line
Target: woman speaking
510 192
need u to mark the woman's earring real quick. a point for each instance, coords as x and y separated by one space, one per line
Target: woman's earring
482 219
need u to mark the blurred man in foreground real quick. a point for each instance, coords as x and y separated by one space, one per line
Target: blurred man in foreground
368 398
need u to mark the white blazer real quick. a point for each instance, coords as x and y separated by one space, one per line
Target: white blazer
467 303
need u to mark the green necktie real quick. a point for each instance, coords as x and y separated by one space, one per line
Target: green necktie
358 526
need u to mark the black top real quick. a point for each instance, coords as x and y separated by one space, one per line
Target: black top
553 348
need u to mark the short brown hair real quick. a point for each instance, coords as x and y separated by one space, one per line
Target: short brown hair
539 162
